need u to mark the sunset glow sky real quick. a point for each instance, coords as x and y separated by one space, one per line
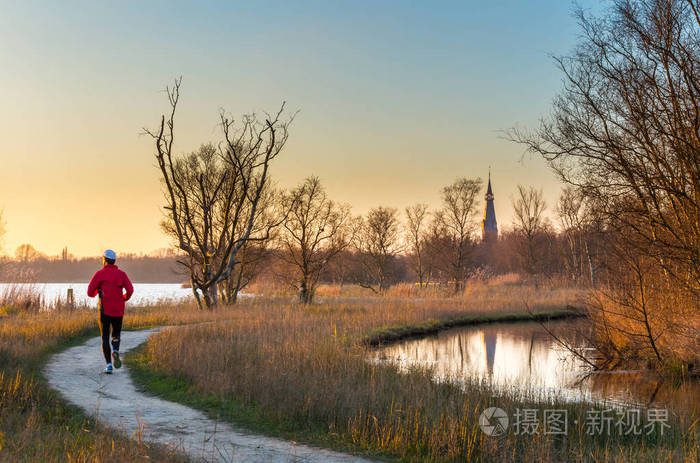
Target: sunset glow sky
396 100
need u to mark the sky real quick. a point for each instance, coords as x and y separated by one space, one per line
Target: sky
395 101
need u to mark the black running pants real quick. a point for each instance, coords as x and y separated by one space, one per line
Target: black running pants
115 323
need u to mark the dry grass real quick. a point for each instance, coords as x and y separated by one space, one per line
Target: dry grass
628 320
304 371
20 298
300 369
270 287
504 288
35 424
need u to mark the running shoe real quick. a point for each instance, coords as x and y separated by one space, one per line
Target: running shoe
108 370
117 360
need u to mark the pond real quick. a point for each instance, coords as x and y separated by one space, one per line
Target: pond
524 357
144 293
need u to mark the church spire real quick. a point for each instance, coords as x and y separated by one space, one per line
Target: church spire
489 227
488 189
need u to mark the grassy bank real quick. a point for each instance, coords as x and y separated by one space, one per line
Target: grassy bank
301 373
38 425
387 335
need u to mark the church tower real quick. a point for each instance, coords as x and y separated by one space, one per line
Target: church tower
489 228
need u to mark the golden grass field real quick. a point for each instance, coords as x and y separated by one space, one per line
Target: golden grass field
302 373
298 372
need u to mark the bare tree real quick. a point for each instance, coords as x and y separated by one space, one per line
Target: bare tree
253 254
528 207
570 208
581 229
636 311
416 216
377 244
212 195
315 231
456 220
437 251
26 253
340 269
626 131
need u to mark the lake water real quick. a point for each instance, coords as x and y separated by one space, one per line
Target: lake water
144 293
523 357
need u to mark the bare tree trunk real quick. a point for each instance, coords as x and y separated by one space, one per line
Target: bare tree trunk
590 264
306 291
234 284
193 284
645 314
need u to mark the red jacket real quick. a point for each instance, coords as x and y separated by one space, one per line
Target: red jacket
111 282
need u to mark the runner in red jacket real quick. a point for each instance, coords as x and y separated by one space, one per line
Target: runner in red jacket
110 283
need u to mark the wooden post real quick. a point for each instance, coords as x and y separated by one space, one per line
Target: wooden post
70 299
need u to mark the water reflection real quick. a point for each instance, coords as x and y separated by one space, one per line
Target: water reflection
526 357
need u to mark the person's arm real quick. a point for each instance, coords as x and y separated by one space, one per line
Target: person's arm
128 287
94 285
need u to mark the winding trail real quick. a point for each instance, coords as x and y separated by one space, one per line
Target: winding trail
114 400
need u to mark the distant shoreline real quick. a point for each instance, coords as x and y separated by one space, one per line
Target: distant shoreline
86 281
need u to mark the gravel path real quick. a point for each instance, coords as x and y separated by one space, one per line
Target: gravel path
77 374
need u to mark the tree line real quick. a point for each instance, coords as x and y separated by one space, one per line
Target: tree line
229 222
624 136
318 240
28 265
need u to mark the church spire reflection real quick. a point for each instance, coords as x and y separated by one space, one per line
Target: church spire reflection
489 339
